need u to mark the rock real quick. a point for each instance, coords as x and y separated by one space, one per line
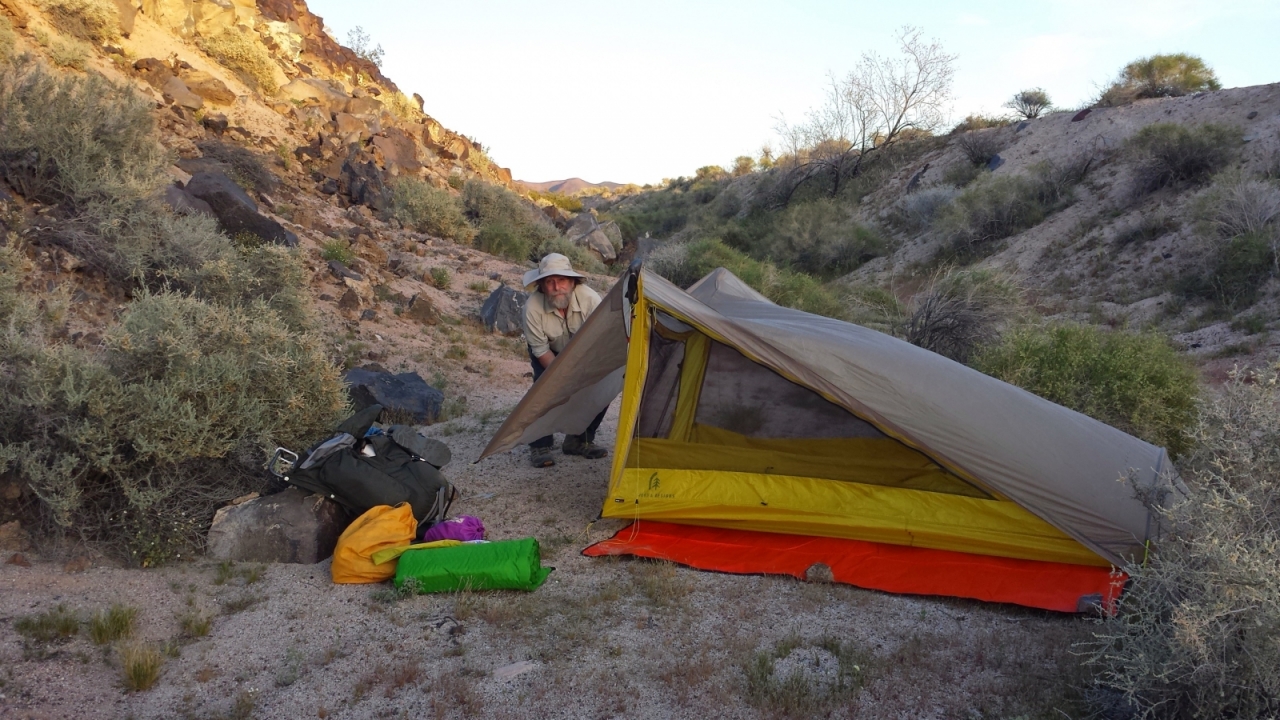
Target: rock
210 17
1252 114
914 183
582 225
342 271
20 17
236 211
597 242
613 232
406 392
556 216
369 315
399 152
350 300
421 103
288 527
155 72
215 122
506 672
503 310
1081 115
315 90
365 182
207 86
128 11
176 92
13 536
422 310
364 106
350 128
18 559
77 564
995 162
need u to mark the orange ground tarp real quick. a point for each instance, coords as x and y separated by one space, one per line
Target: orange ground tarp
876 566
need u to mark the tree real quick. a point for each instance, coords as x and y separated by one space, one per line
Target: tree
869 110
1160 76
743 165
1030 104
360 44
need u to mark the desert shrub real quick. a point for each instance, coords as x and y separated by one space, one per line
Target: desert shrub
917 210
979 122
95 21
107 626
1030 104
1134 382
142 243
873 307
560 200
1172 155
960 312
75 139
8 40
137 445
1238 269
439 277
1195 634
1235 205
69 53
140 666
1147 227
418 205
979 147
240 52
1159 76
508 225
998 206
337 249
962 173
821 238
50 625
684 264
581 258
402 107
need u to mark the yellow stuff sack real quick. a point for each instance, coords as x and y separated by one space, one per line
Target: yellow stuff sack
380 527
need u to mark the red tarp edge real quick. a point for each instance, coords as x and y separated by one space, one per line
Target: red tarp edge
875 566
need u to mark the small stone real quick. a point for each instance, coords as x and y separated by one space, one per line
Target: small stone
18 559
506 672
369 315
77 564
1252 114
422 310
13 536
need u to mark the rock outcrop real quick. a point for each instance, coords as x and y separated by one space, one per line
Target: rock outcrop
503 311
237 212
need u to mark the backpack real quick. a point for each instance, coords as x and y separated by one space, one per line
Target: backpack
363 466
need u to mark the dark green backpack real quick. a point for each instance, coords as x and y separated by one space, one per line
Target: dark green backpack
362 466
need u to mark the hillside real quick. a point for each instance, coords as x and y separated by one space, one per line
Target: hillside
572 186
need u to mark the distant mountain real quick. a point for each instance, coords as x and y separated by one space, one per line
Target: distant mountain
567 187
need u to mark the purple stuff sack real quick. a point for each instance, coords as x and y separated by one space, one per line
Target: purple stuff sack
463 527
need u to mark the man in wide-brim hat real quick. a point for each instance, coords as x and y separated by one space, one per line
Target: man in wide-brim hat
552 314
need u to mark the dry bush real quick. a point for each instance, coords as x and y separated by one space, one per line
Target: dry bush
7 38
960 312
239 51
95 21
418 205
980 147
1236 205
107 626
1159 76
1197 634
79 140
917 210
1173 155
1031 103
979 122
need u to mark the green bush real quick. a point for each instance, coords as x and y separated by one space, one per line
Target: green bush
439 277
1159 76
581 258
1195 634
1240 266
821 238
69 53
1172 155
685 264
94 21
139 444
979 122
1136 383
418 205
240 52
79 140
337 249
508 225
564 202
1030 104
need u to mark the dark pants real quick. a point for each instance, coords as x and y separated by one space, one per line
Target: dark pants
548 441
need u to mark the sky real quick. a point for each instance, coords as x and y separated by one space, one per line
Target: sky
641 91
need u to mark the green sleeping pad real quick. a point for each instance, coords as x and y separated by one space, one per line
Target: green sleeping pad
501 565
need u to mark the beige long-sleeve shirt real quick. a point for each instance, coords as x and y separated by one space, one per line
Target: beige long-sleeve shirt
546 330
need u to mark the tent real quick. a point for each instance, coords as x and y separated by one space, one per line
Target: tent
758 438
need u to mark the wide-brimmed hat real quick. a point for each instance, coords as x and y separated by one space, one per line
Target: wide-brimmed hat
552 264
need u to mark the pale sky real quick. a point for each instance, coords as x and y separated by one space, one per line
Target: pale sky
639 91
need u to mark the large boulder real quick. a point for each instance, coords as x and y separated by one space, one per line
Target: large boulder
503 311
176 92
586 231
287 527
364 182
398 151
406 393
184 203
128 11
207 86
237 212
314 90
582 225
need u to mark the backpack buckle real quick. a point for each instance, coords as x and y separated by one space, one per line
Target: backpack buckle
282 461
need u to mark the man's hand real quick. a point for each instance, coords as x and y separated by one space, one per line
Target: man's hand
546 358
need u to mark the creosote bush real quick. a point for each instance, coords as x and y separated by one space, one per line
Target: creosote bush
77 140
960 312
1174 155
1238 269
241 52
1135 382
821 238
508 225
418 205
1195 634
1170 75
94 21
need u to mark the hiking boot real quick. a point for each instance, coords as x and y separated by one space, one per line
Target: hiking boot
541 457
578 445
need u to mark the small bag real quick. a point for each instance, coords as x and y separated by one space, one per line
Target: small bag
464 527
379 528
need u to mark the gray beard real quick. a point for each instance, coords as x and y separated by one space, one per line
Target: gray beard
559 302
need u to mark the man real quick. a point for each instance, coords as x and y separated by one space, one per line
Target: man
552 315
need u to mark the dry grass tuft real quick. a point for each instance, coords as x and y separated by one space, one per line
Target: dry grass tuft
662 583
107 626
94 21
56 624
140 666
